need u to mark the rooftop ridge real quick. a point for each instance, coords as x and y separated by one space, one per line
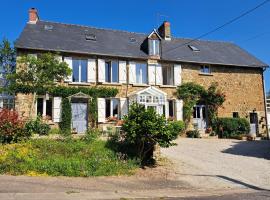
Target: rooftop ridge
144 34
97 28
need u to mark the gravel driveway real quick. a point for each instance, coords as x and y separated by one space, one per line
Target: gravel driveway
217 163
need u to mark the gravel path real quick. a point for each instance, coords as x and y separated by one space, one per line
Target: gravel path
217 164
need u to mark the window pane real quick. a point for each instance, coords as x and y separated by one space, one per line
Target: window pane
144 73
49 107
115 71
83 71
138 73
39 106
75 70
151 47
171 113
108 71
108 108
164 74
156 47
115 104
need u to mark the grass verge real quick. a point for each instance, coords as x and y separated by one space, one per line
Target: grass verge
42 157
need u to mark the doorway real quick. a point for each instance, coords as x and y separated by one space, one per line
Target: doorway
79 109
254 124
199 117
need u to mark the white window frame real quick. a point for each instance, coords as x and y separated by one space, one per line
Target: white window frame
111 107
203 67
80 70
155 48
172 75
141 73
44 108
111 74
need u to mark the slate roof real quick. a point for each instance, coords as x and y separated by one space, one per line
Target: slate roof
71 38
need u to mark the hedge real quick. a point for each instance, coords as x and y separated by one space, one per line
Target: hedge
231 127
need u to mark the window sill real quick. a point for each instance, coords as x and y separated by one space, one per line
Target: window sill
139 85
205 74
78 83
106 83
168 86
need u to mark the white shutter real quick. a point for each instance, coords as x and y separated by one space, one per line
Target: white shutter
68 60
179 109
101 70
151 74
57 109
122 71
167 109
91 71
123 107
159 74
132 72
177 75
101 109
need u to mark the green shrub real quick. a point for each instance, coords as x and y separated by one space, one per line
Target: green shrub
91 135
145 128
193 134
37 127
63 158
176 127
66 115
231 127
54 131
11 127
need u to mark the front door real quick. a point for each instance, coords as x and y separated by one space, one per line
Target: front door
253 117
199 117
79 117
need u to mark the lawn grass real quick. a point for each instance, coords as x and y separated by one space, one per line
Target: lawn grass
63 158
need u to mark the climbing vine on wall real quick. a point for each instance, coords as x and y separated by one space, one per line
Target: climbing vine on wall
64 92
193 93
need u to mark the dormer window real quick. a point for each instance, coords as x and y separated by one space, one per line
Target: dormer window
154 46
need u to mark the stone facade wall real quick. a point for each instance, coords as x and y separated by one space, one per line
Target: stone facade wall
243 88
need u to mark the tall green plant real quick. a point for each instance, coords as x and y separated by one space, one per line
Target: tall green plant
7 60
66 115
144 128
213 99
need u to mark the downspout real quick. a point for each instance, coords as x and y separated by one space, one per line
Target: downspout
265 109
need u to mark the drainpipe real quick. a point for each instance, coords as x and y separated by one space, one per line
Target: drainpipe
266 119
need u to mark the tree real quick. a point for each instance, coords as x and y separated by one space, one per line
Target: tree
39 72
7 60
144 128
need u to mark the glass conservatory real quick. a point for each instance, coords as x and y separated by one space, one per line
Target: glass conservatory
150 97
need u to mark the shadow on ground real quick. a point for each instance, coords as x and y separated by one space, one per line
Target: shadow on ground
258 149
235 181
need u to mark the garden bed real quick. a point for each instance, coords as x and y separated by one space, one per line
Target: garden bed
69 157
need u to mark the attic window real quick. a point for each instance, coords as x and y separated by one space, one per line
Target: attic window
132 39
48 27
193 48
90 37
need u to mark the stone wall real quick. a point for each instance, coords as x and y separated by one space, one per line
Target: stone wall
243 88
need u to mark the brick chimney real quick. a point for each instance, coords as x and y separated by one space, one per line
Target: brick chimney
33 16
165 30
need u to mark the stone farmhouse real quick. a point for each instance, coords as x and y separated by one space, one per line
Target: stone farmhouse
145 68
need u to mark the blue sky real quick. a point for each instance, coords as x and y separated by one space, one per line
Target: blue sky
189 18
